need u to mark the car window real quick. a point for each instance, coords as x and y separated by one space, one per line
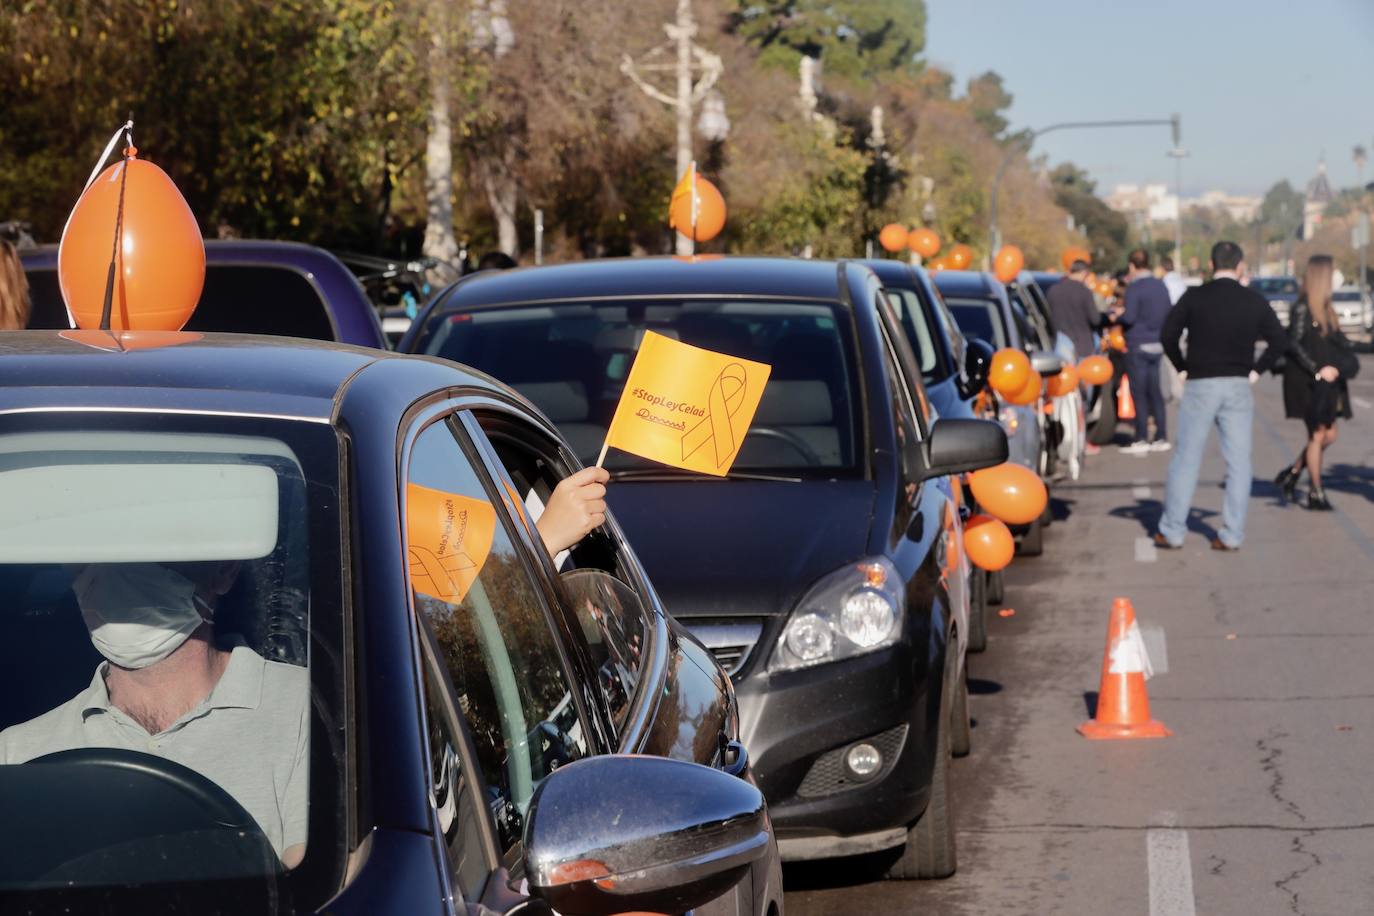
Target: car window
950 328
476 592
146 559
611 617
907 307
237 298
907 428
979 318
572 360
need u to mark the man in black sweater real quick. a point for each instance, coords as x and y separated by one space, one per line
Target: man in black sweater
1224 321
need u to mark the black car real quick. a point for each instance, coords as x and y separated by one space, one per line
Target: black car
826 571
418 713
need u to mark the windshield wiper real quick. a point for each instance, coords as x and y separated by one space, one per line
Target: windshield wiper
678 474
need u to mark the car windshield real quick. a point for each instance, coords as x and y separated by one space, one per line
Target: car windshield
169 605
572 360
915 322
1275 286
979 318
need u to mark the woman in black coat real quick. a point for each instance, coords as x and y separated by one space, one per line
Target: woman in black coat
1320 362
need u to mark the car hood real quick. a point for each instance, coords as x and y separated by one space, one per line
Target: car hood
736 547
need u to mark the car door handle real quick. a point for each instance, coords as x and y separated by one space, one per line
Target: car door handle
734 759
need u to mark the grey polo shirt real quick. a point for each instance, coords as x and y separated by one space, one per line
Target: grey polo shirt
250 736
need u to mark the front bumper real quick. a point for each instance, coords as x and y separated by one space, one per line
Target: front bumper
798 725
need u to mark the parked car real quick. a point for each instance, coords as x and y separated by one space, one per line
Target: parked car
980 305
251 287
1281 291
1354 311
452 719
1065 426
954 373
826 571
398 288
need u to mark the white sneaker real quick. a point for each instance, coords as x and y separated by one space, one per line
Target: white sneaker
1136 448
1160 445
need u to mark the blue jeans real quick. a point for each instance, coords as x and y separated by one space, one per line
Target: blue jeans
1229 403
1143 371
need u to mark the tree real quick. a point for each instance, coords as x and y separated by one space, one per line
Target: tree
988 100
1281 212
855 39
1107 230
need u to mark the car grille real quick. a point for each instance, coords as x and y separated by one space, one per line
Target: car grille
828 775
731 640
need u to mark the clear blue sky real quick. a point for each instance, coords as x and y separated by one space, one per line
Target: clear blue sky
1264 86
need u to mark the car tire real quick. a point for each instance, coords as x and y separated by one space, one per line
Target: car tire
978 610
1047 516
996 588
929 851
1104 430
960 729
1033 541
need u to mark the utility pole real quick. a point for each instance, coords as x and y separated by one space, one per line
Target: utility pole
680 56
1178 154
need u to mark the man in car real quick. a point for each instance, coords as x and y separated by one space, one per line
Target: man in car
168 688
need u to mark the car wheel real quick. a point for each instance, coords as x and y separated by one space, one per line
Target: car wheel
929 850
1104 430
960 729
1033 541
978 610
996 588
1047 516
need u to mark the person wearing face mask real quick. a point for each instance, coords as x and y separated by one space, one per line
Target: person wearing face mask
166 688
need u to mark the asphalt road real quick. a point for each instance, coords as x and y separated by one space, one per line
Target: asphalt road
1262 801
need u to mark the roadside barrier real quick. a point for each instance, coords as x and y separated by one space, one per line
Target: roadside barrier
1123 704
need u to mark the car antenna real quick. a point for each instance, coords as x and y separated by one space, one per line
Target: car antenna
118 219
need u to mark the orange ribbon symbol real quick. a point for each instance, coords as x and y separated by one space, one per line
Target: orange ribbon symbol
441 578
727 394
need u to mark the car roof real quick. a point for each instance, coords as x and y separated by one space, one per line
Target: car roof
629 278
976 283
217 251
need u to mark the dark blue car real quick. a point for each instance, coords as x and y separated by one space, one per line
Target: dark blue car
410 708
826 571
251 287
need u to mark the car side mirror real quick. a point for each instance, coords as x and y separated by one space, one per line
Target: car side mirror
620 833
1046 362
977 358
958 445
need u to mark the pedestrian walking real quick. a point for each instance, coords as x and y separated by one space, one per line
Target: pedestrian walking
1320 363
1173 282
1074 311
1146 305
1224 321
14 290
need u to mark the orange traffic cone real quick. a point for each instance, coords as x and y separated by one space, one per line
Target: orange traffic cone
1123 706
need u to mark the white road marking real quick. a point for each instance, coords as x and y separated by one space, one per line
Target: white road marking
1362 403
1140 492
1145 551
1171 869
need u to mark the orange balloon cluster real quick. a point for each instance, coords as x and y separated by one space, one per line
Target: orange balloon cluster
924 242
1074 253
892 237
710 212
1009 371
160 265
1011 492
1029 392
960 257
988 543
1008 263
1060 384
1095 370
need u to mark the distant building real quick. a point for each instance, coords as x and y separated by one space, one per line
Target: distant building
1318 197
1150 203
1239 207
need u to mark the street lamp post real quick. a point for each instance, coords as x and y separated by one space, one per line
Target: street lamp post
994 234
1178 154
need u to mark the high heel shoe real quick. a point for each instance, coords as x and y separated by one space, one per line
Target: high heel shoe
1316 500
1287 481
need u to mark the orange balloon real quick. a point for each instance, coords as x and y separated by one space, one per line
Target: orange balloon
892 237
710 212
988 542
924 242
1009 370
1008 263
938 265
960 257
1095 370
160 266
1116 338
1011 492
1060 384
1028 393
1074 253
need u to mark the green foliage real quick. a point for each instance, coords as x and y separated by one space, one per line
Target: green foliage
1281 212
856 39
988 100
1108 232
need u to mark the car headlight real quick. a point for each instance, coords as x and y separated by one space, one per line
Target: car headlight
852 611
1009 419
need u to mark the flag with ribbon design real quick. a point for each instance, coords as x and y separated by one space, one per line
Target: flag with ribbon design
448 539
687 407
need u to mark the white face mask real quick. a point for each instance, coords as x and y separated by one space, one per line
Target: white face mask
137 613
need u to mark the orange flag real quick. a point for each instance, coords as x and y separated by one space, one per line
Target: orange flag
685 406
449 539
